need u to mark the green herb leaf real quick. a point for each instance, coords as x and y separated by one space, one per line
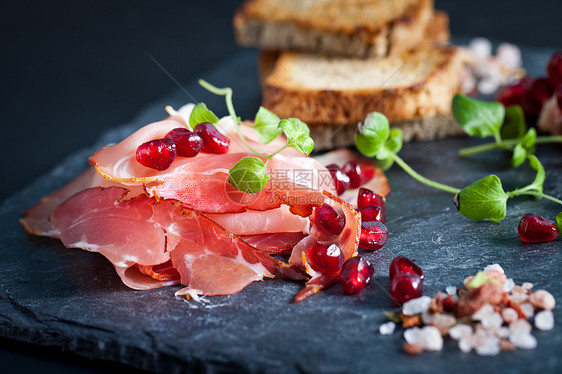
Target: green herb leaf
395 142
514 126
393 316
479 279
372 134
519 155
559 221
478 118
266 125
248 175
483 199
298 134
529 140
386 163
535 164
201 114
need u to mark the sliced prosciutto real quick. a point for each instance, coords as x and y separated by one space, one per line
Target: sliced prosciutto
140 233
201 183
37 220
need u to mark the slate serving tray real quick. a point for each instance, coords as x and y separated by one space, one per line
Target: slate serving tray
72 299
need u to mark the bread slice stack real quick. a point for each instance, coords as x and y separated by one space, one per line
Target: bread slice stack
331 62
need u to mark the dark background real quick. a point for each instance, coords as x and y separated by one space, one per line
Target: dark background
72 69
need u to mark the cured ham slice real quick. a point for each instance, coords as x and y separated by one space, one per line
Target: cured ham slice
142 232
37 220
280 243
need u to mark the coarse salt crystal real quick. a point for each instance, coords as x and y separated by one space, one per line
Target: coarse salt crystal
495 267
523 339
488 86
509 315
387 328
443 322
481 47
430 338
466 343
519 297
489 347
492 321
509 284
484 311
509 55
527 286
412 335
503 332
459 331
542 299
451 290
528 309
416 306
544 320
520 324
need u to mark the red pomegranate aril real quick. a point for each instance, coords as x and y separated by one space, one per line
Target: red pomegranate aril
188 143
328 220
341 180
405 287
373 235
514 94
554 69
157 154
540 91
358 173
372 213
325 258
402 264
536 229
213 140
355 275
366 197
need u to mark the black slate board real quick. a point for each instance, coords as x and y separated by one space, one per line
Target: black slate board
53 296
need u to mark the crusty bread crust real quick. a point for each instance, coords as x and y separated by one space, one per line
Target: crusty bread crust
362 28
342 91
429 128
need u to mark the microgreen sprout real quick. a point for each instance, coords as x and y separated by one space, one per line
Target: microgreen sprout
483 199
250 173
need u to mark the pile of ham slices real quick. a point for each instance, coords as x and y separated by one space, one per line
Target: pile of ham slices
187 225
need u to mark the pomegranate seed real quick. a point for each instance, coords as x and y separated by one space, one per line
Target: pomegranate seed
540 91
356 274
326 259
535 229
341 180
554 69
328 220
405 287
366 197
358 173
213 140
514 94
372 213
373 235
188 144
402 264
157 154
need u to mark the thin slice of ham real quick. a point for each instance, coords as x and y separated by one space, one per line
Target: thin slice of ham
37 219
279 243
141 232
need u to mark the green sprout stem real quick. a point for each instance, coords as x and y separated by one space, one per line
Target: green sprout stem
505 144
227 92
535 194
422 179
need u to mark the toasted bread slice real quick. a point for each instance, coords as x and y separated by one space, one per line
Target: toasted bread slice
332 95
361 28
436 33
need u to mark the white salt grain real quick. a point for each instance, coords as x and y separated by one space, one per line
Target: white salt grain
509 284
544 320
416 306
490 347
481 47
430 339
509 315
387 328
528 309
509 55
523 339
485 310
527 286
542 299
412 335
503 332
495 267
466 343
460 331
492 321
520 324
451 290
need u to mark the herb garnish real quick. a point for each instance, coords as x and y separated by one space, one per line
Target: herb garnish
250 173
485 198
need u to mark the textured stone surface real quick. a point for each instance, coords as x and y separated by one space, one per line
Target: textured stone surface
50 295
